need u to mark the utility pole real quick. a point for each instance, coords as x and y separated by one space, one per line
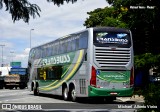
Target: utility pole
30 38
2 45
12 52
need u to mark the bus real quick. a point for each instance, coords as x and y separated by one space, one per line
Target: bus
95 62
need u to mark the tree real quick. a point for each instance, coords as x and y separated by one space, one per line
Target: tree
143 63
105 17
22 9
151 92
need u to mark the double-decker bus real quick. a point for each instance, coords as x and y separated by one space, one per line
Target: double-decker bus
95 62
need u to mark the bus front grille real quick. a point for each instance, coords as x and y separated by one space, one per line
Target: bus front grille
112 58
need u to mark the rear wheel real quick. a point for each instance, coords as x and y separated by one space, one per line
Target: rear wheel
65 93
73 95
36 91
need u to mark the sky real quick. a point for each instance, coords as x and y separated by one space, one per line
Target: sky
54 22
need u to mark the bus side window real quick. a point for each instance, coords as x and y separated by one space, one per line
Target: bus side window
50 73
54 73
58 72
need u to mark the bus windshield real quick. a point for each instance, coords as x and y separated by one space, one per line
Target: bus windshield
107 39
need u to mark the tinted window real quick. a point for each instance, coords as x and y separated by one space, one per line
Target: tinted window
50 73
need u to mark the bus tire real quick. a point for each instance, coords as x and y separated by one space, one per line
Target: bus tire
65 93
36 91
73 94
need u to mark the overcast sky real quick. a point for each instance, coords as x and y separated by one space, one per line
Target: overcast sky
53 23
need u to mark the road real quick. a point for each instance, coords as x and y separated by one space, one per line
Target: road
24 99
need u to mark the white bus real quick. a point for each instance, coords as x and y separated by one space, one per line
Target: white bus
95 62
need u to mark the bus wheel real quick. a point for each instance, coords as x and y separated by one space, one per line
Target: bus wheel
65 93
36 91
73 95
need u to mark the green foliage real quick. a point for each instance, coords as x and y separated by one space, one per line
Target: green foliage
108 16
146 61
110 21
152 98
151 92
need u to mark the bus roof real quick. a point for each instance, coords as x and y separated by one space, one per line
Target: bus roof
94 28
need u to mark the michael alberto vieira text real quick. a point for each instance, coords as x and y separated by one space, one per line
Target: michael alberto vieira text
137 106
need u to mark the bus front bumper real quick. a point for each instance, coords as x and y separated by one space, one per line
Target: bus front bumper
104 92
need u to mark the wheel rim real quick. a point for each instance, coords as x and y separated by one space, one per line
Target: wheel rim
65 94
73 95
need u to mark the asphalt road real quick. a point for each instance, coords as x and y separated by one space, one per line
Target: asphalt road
24 100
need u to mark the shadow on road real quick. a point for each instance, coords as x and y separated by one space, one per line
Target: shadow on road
102 101
89 100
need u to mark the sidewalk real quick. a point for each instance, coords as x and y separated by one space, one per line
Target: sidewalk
135 98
